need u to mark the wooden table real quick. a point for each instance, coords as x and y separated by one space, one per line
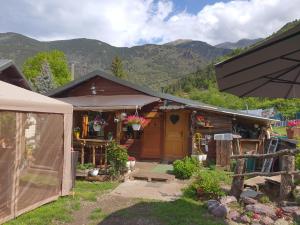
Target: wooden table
93 143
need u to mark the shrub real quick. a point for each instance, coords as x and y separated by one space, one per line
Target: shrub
264 199
208 183
117 157
184 169
85 166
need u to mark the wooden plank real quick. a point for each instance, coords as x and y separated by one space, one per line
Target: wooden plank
287 180
269 155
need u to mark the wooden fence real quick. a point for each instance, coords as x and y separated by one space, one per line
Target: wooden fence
287 172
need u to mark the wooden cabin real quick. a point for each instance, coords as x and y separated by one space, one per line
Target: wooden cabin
9 73
171 121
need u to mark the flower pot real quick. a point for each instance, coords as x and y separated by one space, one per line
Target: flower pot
94 172
77 135
290 133
132 164
97 127
128 165
136 126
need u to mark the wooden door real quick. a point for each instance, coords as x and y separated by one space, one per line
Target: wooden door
151 139
176 135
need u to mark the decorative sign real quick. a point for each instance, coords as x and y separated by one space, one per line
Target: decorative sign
174 118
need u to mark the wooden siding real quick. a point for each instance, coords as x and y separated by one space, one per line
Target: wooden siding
103 87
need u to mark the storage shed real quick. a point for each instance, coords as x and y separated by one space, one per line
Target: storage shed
35 150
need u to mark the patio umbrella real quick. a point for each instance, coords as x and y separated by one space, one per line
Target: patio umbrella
270 69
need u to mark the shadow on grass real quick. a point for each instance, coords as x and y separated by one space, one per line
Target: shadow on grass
179 212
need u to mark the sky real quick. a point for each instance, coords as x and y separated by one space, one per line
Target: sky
135 22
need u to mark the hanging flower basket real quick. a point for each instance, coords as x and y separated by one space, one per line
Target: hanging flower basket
99 123
136 122
136 126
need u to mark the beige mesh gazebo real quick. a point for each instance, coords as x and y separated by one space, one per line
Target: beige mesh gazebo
35 150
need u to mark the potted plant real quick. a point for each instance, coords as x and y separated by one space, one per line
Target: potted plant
99 123
132 161
293 129
77 132
137 122
200 120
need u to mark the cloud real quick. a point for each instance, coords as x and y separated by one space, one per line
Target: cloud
129 22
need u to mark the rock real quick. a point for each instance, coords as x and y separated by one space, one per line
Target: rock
296 215
266 221
228 199
230 222
281 222
255 223
220 211
245 219
248 200
212 204
233 215
248 192
261 209
290 209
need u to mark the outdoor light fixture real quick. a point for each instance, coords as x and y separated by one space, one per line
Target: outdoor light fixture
94 90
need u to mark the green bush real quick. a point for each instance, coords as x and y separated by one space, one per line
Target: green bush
184 169
117 157
85 166
208 183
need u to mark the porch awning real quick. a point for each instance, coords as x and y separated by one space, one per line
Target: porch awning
108 103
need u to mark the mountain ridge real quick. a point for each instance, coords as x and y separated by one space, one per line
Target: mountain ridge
143 64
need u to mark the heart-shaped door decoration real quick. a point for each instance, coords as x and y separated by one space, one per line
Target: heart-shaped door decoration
174 118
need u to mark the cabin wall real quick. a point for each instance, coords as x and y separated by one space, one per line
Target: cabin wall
103 87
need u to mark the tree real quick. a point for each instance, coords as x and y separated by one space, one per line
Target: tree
57 64
44 83
117 68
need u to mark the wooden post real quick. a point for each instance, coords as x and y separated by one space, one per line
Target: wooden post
82 154
287 180
238 182
119 128
94 155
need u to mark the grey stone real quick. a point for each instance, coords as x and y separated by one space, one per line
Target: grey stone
261 209
212 204
245 219
228 199
248 192
290 209
281 222
233 215
296 215
248 200
220 211
266 221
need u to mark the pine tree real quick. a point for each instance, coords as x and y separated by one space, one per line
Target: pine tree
117 68
44 82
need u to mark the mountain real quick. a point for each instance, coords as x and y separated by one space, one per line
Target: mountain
243 43
146 64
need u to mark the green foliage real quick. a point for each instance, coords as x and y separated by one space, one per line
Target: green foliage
85 166
208 182
201 86
184 169
58 64
264 199
117 157
117 68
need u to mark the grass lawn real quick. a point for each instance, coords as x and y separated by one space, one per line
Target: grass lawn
280 130
62 209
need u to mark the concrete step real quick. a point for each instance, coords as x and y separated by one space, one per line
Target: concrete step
152 176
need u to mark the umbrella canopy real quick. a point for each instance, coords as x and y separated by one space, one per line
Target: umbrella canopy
270 69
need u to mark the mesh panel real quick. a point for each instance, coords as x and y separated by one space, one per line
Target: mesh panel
41 159
7 162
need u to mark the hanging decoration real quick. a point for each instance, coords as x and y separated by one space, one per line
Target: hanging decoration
135 121
99 123
174 118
